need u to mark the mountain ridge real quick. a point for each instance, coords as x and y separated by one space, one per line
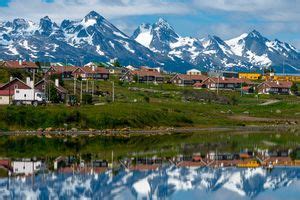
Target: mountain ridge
94 38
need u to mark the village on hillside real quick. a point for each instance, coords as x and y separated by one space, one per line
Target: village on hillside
34 83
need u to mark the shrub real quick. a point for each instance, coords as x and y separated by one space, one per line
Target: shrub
87 99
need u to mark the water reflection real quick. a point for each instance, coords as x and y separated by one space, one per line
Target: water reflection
166 182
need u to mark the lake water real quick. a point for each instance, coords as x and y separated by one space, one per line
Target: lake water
168 182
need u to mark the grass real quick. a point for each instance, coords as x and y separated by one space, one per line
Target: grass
163 106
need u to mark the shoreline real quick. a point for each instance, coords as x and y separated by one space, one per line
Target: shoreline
154 131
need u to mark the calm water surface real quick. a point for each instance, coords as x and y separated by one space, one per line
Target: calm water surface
168 182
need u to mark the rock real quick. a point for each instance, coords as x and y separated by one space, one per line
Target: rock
246 112
278 111
49 129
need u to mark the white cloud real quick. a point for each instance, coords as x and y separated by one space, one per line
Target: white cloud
271 10
75 9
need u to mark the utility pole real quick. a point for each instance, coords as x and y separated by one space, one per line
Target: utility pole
93 86
113 91
87 86
74 85
81 91
218 84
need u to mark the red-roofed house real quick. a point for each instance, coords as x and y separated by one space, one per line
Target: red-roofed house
223 83
275 87
24 65
64 71
143 75
7 90
44 86
187 79
93 72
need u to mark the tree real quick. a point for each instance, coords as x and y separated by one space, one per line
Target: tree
136 78
57 76
294 88
117 64
54 96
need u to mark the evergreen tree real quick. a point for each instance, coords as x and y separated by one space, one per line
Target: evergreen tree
54 96
294 88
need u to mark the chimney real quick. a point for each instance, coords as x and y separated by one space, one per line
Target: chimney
28 82
223 78
56 83
93 67
277 82
20 62
11 78
31 84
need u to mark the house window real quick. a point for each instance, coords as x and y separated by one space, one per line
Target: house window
43 87
16 86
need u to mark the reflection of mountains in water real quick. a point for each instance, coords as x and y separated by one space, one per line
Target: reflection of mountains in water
157 184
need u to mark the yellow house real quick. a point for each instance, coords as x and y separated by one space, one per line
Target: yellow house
250 75
283 77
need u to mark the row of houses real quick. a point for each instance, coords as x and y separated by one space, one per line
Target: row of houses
7 90
86 72
214 80
211 81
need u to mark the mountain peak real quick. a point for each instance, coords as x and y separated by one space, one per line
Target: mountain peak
163 24
255 33
46 26
93 15
46 18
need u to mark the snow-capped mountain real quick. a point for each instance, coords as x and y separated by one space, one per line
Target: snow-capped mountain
166 183
261 51
91 39
247 51
160 37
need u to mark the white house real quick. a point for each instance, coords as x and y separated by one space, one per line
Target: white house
194 72
26 167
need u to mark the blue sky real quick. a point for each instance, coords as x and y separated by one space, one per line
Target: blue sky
225 18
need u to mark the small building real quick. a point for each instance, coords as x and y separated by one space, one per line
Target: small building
44 86
282 77
96 73
143 76
254 76
186 80
275 87
22 65
7 90
223 83
5 97
226 74
26 167
193 72
65 72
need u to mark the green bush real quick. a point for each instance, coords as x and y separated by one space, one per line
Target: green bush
87 99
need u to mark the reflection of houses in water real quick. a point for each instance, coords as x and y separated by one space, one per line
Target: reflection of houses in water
26 167
142 164
71 164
